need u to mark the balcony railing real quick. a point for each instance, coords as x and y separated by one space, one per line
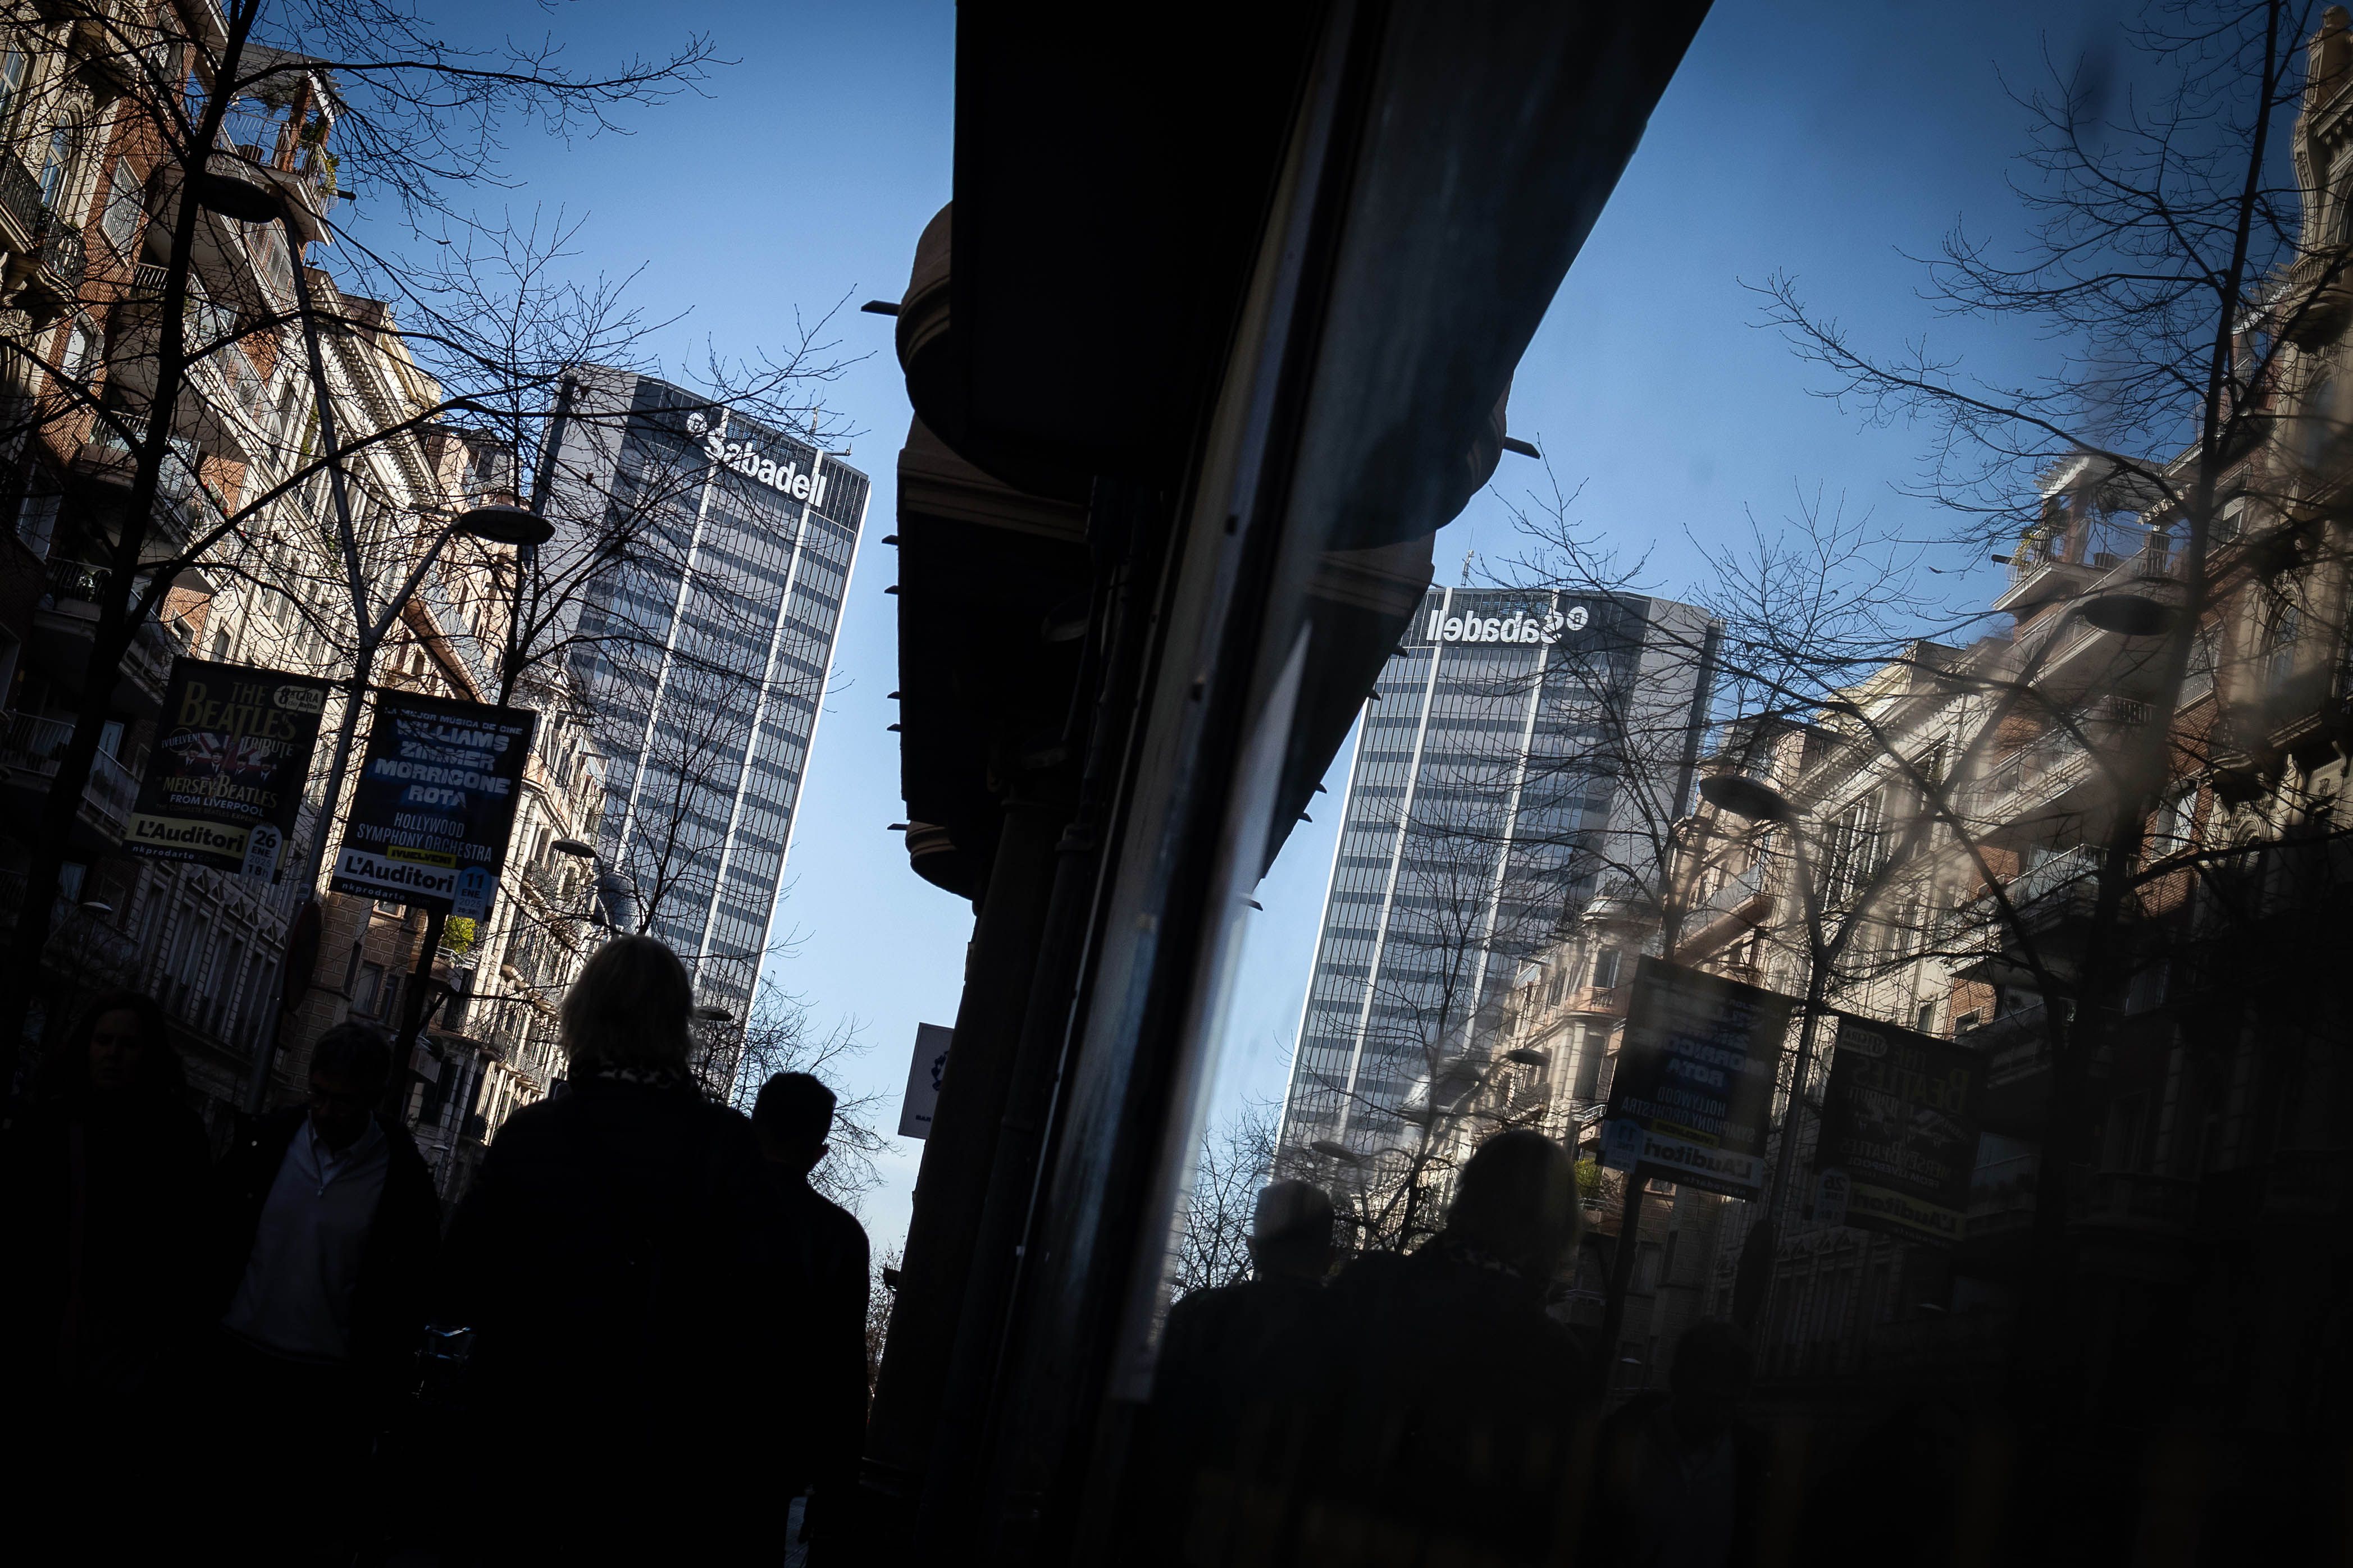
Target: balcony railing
2061 875
209 321
1740 888
72 582
20 198
34 744
62 256
56 241
2058 759
481 659
2135 1200
267 135
152 649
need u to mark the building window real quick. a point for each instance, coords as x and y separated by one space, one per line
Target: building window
80 354
1604 968
370 989
126 207
55 161
36 522
2286 631
1925 1020
12 83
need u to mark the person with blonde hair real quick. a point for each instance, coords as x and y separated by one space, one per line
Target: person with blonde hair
609 1259
627 1015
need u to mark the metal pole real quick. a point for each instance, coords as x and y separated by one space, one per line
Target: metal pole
414 1009
1621 1275
1752 1282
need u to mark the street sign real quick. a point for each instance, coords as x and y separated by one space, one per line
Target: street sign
225 780
923 1075
1899 1122
1693 1088
435 803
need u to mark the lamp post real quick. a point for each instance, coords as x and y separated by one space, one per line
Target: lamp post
1761 802
255 203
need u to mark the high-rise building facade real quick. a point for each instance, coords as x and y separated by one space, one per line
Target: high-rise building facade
1523 752
704 653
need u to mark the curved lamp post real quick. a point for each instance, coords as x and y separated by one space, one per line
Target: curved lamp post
1760 802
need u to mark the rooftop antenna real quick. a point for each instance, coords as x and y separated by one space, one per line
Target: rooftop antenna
1466 568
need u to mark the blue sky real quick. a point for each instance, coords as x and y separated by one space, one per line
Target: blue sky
1814 139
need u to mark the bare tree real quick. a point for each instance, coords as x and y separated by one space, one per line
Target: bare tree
2179 268
194 145
1236 1160
782 1036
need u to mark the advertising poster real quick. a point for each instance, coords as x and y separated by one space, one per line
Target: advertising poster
226 777
435 803
1693 1090
1899 1122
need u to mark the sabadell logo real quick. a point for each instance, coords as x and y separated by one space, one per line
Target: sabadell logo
1519 626
743 457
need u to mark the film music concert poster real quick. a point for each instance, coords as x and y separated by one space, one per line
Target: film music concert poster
226 778
1899 1140
1693 1094
435 803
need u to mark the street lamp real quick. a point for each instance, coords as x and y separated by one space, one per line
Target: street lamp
504 524
1743 796
1527 1056
715 1015
2129 615
573 848
244 200
1332 1150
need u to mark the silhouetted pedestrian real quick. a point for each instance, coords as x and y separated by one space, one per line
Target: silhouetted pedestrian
330 1226
105 1313
822 1318
609 1257
1215 1336
1429 1410
1681 1476
1211 1351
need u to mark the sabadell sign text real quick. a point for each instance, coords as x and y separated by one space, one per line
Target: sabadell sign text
743 457
1520 626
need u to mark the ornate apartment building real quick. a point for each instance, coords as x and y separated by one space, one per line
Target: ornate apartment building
89 195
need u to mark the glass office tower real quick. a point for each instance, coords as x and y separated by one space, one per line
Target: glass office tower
704 653
1523 753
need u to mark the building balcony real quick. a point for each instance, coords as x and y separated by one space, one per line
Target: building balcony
2038 575
480 660
30 747
2308 1183
2063 770
2315 298
2049 904
1741 899
35 230
66 620
268 144
2133 1202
